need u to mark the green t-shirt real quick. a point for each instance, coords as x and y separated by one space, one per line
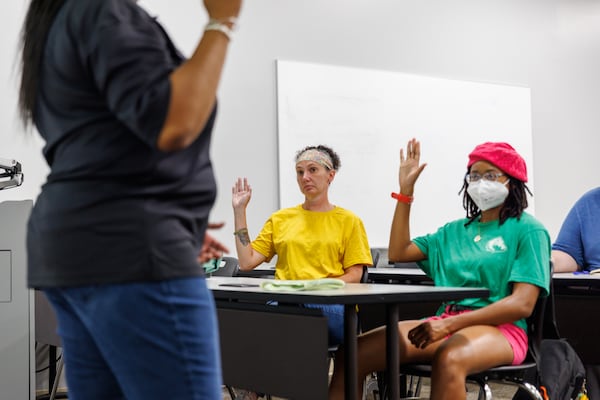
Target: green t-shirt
488 255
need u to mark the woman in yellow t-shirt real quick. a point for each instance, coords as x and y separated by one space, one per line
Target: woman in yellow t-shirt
315 239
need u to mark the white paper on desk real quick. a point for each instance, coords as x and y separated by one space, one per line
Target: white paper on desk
300 285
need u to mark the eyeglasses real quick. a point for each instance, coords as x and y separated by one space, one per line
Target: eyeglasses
488 176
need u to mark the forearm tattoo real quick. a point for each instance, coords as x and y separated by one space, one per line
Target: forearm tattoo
242 234
244 238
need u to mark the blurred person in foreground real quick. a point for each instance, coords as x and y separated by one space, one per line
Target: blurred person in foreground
115 235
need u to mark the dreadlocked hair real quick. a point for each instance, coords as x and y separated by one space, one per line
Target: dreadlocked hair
514 205
38 20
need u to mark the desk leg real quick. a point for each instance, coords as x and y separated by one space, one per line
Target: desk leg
351 360
393 350
51 365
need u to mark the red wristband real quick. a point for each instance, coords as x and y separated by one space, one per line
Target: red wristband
402 198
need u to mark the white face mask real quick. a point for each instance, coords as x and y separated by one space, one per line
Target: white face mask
487 194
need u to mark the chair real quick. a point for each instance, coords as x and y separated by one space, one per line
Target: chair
541 325
364 278
45 333
229 267
375 256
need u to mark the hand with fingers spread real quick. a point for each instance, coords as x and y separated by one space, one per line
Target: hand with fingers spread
241 192
410 169
211 247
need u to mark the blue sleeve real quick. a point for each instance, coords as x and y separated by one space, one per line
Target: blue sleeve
569 238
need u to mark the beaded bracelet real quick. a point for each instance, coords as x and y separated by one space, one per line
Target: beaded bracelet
225 26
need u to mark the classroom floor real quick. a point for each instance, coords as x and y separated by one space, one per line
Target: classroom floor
500 392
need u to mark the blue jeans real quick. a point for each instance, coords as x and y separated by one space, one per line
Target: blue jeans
335 321
134 341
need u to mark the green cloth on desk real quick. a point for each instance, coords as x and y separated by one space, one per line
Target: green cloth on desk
308 284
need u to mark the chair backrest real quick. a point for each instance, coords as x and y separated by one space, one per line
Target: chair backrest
365 272
550 325
375 257
364 278
542 322
229 267
535 328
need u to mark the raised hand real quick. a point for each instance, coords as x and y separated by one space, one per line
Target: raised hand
410 169
222 9
241 193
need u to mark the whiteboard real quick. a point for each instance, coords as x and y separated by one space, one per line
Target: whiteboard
366 116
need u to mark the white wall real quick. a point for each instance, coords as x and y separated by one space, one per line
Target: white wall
550 46
14 143
365 113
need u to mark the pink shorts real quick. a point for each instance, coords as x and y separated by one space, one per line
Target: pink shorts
516 336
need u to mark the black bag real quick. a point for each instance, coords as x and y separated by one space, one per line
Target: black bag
562 374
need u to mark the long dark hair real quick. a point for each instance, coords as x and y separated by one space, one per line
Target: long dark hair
39 18
514 205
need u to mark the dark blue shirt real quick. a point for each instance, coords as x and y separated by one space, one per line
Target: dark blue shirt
114 208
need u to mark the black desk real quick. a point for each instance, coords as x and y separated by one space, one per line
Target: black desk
565 280
350 295
403 275
262 271
577 303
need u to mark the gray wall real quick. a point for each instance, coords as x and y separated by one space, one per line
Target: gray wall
550 46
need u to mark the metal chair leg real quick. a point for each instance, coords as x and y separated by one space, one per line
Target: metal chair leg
59 368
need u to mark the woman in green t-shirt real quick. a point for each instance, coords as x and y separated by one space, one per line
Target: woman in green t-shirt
497 245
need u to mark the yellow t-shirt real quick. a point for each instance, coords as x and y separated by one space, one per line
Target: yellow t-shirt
313 245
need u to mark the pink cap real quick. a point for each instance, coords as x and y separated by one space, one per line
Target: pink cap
503 156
